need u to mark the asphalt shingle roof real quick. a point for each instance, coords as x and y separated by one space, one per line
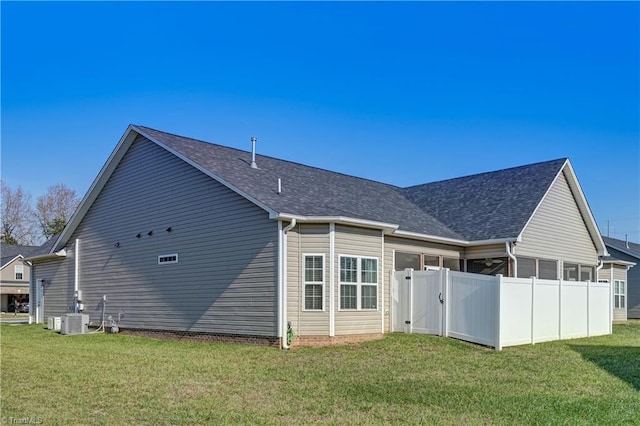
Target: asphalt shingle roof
306 191
489 205
620 245
8 252
480 207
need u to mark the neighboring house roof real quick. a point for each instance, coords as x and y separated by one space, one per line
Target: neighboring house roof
313 194
9 252
626 247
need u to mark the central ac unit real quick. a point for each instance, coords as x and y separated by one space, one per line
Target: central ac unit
74 324
54 323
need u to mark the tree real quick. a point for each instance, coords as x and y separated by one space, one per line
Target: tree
16 215
54 209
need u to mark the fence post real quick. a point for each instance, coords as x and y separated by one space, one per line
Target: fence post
560 309
498 342
588 308
410 279
533 308
445 277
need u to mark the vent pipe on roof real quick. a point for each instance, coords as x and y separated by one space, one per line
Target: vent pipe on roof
626 240
279 186
253 152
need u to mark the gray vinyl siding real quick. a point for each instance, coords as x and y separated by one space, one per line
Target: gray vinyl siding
393 244
57 287
307 239
633 282
359 242
557 229
225 280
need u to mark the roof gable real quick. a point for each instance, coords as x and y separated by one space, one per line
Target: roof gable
10 252
487 206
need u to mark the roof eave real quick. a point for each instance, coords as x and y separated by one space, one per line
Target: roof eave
11 261
341 220
47 256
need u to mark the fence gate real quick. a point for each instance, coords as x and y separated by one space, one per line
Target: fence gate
417 301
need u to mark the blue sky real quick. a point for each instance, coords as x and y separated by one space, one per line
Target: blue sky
403 93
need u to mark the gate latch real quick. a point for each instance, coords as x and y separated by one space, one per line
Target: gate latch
407 322
441 299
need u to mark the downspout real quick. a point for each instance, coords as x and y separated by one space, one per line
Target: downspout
600 265
76 280
507 245
32 291
283 285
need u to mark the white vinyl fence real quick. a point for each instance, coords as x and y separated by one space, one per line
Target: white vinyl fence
498 311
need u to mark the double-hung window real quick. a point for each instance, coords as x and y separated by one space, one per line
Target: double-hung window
19 269
358 282
313 281
619 294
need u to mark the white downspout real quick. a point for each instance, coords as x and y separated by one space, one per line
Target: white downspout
76 280
283 285
32 291
507 245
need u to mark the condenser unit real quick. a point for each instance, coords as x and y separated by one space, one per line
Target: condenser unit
74 324
54 323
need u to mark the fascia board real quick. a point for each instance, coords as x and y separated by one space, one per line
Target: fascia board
341 220
11 261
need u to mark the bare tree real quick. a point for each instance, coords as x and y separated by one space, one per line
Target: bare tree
54 209
16 215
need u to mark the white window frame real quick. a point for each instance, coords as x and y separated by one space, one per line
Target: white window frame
619 297
358 283
167 262
305 282
18 269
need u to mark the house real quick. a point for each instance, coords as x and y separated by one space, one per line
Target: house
15 274
181 235
620 271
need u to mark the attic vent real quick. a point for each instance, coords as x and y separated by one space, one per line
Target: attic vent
167 258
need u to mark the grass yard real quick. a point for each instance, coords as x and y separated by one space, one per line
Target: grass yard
120 379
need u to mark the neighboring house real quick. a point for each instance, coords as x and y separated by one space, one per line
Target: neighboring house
14 275
182 235
619 270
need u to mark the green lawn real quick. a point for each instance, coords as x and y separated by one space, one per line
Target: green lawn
402 379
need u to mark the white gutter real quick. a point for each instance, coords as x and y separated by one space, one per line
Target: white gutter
60 253
341 220
507 245
283 283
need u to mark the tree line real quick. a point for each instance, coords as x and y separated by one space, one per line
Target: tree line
26 224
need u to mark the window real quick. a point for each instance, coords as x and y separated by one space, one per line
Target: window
619 294
313 282
431 261
19 269
407 260
452 263
586 273
358 282
547 269
570 272
526 267
489 266
167 258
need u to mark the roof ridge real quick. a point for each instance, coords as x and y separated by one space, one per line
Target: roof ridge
563 159
271 157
